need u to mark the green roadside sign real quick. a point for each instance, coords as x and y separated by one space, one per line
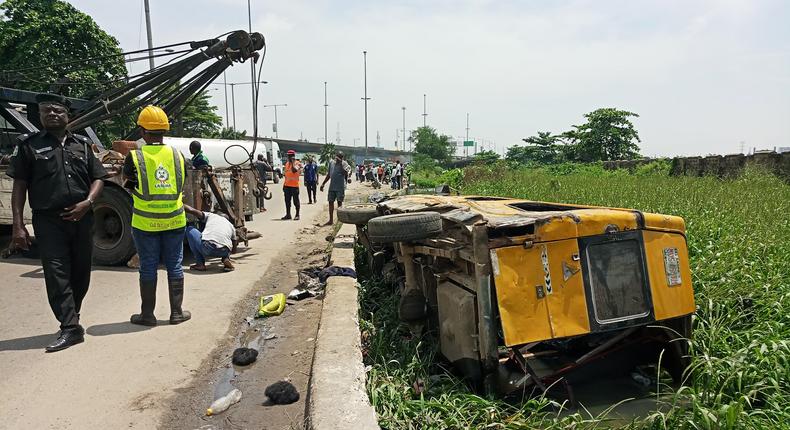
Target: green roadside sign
469 143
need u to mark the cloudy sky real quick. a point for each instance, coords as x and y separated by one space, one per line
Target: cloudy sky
705 76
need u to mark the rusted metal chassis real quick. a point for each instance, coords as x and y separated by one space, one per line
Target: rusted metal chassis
463 257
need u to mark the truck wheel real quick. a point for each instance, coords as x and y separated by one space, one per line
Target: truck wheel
404 227
357 214
112 228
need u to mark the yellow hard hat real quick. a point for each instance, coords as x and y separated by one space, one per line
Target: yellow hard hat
153 118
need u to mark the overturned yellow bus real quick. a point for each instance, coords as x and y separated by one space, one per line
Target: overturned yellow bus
525 294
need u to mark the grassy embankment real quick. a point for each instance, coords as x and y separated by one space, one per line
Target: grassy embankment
739 241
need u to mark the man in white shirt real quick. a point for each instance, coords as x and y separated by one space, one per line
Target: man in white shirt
218 239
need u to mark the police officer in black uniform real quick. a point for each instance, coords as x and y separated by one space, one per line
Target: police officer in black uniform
62 178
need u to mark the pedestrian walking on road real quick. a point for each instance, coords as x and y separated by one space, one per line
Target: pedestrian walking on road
62 179
338 176
217 239
311 180
262 167
291 184
155 173
199 160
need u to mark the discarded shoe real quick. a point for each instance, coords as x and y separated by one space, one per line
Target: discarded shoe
244 356
271 305
282 393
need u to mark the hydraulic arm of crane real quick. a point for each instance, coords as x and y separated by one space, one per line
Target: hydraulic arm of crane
163 86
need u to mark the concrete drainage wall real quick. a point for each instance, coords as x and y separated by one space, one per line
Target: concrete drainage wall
338 399
727 166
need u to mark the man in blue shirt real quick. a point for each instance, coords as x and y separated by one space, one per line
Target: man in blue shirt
311 180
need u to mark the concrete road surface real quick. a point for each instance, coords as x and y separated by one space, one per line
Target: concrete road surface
121 375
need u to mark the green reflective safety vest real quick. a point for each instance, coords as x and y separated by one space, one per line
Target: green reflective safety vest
158 197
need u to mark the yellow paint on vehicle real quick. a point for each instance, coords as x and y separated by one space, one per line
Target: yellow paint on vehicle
561 312
670 223
567 301
524 316
668 301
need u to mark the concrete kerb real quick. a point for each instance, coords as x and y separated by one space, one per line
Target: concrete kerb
337 395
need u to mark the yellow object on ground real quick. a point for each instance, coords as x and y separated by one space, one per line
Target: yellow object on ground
271 305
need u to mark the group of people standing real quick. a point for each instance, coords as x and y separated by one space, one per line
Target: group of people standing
382 173
61 177
338 175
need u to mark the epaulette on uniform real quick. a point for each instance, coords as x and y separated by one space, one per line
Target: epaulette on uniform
23 137
83 138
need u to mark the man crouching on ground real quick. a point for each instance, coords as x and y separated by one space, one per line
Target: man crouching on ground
338 176
218 239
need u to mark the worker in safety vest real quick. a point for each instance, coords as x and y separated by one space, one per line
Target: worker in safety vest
155 174
291 186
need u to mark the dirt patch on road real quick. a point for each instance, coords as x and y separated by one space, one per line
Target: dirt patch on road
285 344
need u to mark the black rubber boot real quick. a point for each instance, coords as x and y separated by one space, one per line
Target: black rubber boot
148 297
176 289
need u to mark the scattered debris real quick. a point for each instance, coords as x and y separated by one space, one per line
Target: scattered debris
336 271
244 356
376 197
270 336
297 294
223 403
309 279
271 305
282 393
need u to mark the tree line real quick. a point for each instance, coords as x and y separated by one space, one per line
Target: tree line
607 134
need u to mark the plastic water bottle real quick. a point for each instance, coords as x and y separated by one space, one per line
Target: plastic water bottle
223 403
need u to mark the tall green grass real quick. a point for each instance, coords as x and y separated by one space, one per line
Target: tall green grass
739 241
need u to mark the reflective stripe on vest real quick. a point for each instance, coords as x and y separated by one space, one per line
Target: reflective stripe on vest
158 197
291 178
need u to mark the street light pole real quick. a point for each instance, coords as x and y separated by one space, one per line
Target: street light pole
225 84
404 127
466 148
325 106
276 126
424 112
233 100
365 98
150 37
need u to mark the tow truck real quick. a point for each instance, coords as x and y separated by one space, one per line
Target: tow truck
173 86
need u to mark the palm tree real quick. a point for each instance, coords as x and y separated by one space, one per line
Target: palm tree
327 153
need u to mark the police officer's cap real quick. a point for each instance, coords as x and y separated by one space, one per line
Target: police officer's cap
47 98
